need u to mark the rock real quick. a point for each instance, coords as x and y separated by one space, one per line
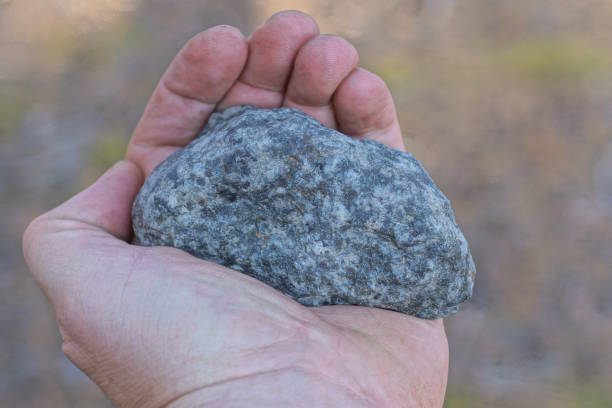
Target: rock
323 218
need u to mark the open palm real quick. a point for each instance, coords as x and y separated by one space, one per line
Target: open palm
156 326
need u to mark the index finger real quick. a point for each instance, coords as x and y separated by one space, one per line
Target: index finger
198 77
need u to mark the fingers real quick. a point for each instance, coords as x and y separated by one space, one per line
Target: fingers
272 50
326 85
288 64
364 108
198 78
320 66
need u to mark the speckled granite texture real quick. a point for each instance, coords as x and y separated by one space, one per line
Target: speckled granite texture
321 217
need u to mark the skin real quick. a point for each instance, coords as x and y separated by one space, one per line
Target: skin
157 327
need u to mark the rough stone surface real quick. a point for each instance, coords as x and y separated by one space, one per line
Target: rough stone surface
321 217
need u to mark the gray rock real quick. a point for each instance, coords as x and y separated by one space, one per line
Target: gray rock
323 218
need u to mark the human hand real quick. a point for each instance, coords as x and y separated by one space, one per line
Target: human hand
154 326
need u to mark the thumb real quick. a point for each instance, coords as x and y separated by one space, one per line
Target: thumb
106 204
97 216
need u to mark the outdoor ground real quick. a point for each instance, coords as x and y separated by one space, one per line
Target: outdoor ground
507 103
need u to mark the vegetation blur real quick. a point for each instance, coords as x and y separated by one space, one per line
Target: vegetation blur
507 103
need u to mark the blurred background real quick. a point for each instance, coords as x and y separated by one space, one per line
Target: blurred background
507 103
